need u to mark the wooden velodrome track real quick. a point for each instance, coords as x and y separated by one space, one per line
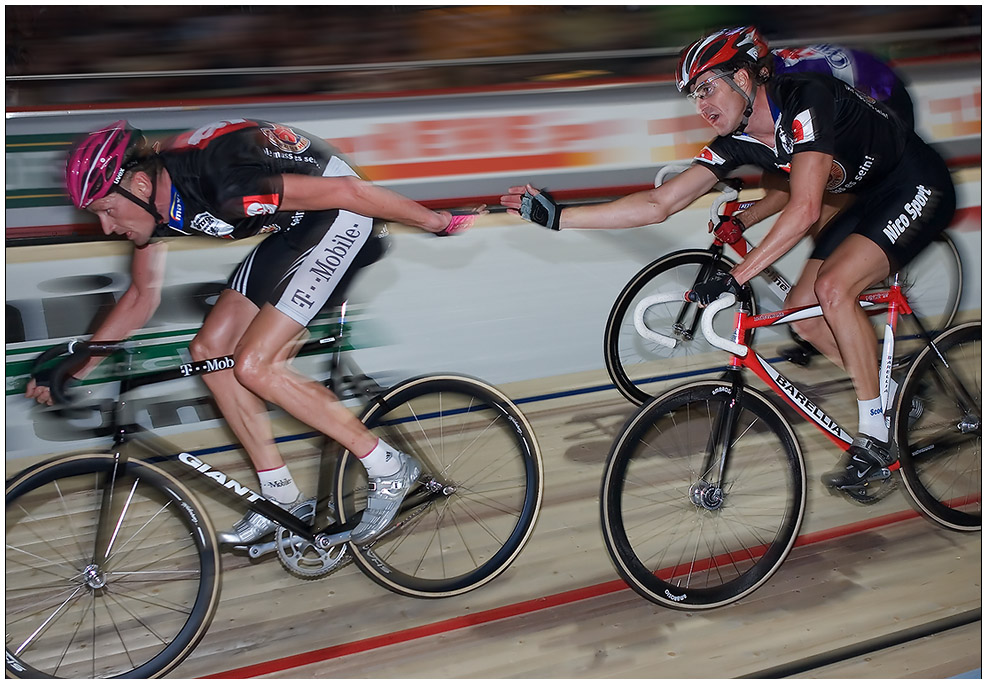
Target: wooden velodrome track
868 592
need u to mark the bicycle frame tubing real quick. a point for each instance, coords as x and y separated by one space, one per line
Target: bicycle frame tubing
126 430
786 389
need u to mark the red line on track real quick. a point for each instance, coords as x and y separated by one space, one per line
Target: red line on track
509 611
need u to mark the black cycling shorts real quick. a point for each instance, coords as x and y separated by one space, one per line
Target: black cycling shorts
903 214
298 270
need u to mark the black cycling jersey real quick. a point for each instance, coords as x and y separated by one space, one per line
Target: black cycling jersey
226 176
818 113
904 192
227 182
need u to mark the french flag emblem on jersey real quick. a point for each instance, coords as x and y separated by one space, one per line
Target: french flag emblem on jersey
802 128
709 156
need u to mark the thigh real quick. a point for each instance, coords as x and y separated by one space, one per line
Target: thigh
856 264
226 322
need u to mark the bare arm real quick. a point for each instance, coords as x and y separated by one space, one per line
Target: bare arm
775 198
810 172
638 209
131 311
315 193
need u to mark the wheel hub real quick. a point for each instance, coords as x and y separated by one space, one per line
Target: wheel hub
94 577
706 495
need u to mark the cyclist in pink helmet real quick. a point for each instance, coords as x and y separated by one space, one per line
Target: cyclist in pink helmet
236 179
826 137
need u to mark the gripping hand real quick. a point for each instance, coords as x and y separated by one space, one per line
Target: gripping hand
729 230
540 208
709 291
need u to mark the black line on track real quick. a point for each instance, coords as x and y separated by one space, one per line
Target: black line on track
870 646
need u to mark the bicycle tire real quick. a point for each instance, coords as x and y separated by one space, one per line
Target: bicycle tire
940 450
139 614
471 437
637 366
670 534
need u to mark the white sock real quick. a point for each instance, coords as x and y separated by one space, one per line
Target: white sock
871 419
278 484
382 460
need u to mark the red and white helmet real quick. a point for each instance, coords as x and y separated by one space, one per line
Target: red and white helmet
721 52
97 162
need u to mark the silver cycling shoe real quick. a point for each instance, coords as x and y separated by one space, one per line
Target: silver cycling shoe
384 498
253 526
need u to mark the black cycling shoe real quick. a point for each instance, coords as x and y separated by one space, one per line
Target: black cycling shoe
865 461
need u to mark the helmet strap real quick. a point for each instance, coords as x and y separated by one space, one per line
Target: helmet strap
748 97
148 206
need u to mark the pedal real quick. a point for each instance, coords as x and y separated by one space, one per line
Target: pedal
797 355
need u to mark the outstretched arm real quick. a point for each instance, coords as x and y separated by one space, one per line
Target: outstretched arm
316 193
638 209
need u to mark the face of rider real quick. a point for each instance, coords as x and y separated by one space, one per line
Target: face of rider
721 106
120 216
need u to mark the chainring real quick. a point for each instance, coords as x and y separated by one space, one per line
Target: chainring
303 558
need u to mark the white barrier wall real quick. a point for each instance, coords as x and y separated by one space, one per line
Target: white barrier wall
507 301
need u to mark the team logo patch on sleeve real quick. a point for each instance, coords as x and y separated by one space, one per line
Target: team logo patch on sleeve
286 139
710 157
803 130
255 205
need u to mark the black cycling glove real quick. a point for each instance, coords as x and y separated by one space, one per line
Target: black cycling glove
541 209
709 291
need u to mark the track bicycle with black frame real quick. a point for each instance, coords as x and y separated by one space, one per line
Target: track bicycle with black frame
112 563
704 489
933 283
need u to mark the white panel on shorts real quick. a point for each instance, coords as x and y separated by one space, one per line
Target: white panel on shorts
310 285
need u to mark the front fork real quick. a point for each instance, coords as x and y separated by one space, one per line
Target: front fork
682 329
709 490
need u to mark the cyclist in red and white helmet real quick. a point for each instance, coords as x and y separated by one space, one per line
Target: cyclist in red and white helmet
236 179
826 137
722 54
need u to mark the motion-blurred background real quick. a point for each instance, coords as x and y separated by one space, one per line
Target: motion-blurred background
69 54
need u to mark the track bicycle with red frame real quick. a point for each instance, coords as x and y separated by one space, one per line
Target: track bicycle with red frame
704 489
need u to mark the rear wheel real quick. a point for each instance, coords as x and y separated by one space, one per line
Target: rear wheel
478 496
111 570
939 444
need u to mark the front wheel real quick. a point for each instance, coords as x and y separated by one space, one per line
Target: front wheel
111 570
938 429
478 496
703 495
638 366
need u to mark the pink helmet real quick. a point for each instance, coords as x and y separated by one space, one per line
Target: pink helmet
723 51
97 162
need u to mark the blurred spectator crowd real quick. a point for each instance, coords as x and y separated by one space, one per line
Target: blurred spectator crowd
278 51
